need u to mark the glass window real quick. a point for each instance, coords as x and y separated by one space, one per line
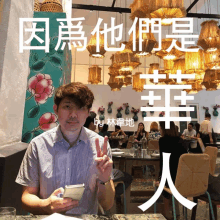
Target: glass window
194 113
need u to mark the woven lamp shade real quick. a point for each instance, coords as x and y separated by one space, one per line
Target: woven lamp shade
125 60
196 87
211 79
167 9
173 54
115 83
139 9
91 47
36 5
148 43
94 74
179 64
195 63
169 69
51 6
209 38
138 83
153 66
127 81
212 59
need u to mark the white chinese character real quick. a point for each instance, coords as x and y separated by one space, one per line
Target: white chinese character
112 29
129 122
33 34
179 76
178 28
79 34
120 122
166 176
154 76
97 32
111 121
144 28
167 109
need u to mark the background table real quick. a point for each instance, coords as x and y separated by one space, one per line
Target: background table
125 162
102 217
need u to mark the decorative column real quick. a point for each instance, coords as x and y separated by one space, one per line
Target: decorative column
48 71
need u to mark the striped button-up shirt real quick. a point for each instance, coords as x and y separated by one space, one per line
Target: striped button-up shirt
49 164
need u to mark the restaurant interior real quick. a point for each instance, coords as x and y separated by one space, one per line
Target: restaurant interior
114 77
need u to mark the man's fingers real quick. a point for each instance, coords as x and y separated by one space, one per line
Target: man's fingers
58 191
104 159
107 164
105 145
98 149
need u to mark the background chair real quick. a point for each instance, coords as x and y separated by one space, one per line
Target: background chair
212 152
130 140
153 145
192 178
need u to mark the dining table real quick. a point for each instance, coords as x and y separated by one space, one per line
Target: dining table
217 144
124 160
99 217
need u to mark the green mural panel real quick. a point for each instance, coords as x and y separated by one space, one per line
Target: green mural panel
47 72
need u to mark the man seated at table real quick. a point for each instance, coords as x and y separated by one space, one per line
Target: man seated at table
189 132
66 155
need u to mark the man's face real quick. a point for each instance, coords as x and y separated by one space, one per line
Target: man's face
70 116
190 127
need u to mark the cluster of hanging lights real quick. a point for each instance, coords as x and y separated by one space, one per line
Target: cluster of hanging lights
205 63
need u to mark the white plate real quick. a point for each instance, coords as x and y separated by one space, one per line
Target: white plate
115 149
155 155
117 153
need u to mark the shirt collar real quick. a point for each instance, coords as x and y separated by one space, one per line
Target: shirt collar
58 136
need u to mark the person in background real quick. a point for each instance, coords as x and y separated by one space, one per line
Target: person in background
90 123
68 154
177 130
154 133
118 131
206 129
100 126
140 132
104 131
189 132
197 126
170 142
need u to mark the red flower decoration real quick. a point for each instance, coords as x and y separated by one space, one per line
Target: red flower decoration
101 109
120 108
134 110
126 104
47 121
41 87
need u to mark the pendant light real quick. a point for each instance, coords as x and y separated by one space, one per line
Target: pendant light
94 74
209 38
173 54
138 83
91 47
166 10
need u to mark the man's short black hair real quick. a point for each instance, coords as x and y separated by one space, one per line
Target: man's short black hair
117 127
191 124
207 115
88 121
